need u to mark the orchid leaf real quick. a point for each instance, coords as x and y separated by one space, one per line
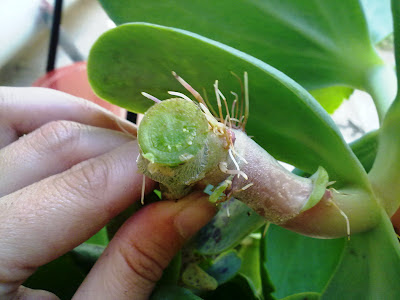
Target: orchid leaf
369 268
297 263
327 44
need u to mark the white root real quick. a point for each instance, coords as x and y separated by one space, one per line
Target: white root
245 187
223 166
181 95
143 189
235 163
151 97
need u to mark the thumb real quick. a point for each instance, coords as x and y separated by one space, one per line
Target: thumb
143 247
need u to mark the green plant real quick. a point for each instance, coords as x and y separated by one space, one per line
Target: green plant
323 50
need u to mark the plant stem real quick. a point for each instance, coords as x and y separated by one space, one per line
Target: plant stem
304 205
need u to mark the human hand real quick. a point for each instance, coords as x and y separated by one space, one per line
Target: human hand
62 181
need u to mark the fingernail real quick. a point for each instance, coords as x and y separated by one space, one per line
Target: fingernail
194 215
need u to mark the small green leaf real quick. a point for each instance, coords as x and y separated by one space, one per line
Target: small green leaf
320 181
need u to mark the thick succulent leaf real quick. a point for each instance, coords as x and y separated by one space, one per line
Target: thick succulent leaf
297 263
326 44
232 223
225 266
284 118
369 268
379 18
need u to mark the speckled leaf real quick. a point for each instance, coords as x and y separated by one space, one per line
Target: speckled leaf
225 266
233 222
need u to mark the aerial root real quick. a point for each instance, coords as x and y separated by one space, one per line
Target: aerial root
187 86
151 97
143 189
181 95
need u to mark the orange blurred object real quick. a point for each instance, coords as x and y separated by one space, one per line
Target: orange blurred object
73 80
396 221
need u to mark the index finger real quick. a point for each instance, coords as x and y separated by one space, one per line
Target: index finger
22 110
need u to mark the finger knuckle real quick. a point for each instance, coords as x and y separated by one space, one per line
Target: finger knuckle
147 262
89 180
59 135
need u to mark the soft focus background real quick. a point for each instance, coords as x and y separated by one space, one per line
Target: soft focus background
24 39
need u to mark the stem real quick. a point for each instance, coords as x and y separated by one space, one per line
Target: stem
281 197
381 84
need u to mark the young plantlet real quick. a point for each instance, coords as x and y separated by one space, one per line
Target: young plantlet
185 147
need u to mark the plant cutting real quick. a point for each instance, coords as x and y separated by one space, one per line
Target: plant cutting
299 68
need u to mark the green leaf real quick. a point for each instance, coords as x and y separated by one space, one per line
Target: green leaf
225 266
384 174
330 98
173 292
326 44
299 264
171 273
284 118
268 287
195 277
365 148
250 254
369 268
86 255
61 277
303 296
234 221
99 238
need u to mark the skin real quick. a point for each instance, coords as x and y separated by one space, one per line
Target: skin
62 181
